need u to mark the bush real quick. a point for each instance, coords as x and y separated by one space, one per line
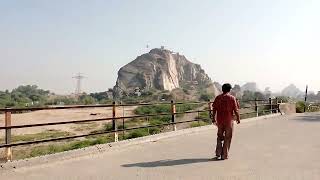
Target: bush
87 100
283 99
107 127
198 124
164 108
157 121
154 109
137 133
55 148
205 115
300 105
122 127
186 107
206 97
131 100
88 142
154 130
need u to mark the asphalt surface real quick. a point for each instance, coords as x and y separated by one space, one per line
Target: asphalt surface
285 147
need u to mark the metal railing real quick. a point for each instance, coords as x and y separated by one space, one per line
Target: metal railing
270 105
314 107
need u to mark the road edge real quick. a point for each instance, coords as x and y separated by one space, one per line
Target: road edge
102 148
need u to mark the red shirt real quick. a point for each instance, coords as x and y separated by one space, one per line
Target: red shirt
225 105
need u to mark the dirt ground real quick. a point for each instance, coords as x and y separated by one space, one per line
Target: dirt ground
46 116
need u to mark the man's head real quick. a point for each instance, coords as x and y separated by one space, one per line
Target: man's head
226 88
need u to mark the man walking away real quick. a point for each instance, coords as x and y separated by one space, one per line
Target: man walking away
223 108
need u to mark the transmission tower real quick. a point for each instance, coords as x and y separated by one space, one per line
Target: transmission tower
79 77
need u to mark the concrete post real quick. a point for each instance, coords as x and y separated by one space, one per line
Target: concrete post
277 105
173 115
210 111
114 122
270 102
305 99
256 108
8 150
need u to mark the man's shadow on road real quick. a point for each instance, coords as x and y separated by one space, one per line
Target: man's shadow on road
169 162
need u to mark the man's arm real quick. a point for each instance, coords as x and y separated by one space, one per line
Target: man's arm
237 115
213 112
236 111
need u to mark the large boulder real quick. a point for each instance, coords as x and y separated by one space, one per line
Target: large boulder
161 70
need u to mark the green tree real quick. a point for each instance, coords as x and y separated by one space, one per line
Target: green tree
205 97
24 95
259 95
100 96
249 95
86 99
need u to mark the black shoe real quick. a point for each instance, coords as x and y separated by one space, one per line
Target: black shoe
215 159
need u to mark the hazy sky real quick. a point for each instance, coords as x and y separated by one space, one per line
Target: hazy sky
272 42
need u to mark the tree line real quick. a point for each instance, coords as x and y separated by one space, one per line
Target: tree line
32 96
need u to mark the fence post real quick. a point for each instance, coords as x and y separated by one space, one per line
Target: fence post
277 103
123 125
256 108
114 122
210 111
305 99
270 102
173 115
8 150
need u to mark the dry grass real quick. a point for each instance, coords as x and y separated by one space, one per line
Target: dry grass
86 127
48 134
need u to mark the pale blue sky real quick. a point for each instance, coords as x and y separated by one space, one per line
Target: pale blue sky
47 42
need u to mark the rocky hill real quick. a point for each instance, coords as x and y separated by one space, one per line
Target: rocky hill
250 86
292 91
162 70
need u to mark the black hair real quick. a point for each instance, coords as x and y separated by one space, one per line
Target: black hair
226 88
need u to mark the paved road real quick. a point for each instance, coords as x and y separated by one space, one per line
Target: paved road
286 147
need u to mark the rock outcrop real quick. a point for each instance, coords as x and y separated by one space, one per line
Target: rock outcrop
292 91
161 70
250 86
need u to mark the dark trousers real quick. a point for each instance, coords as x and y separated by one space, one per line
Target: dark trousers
225 132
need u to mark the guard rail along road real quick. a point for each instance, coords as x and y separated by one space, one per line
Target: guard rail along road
259 107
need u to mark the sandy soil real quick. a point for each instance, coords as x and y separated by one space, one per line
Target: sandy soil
46 116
